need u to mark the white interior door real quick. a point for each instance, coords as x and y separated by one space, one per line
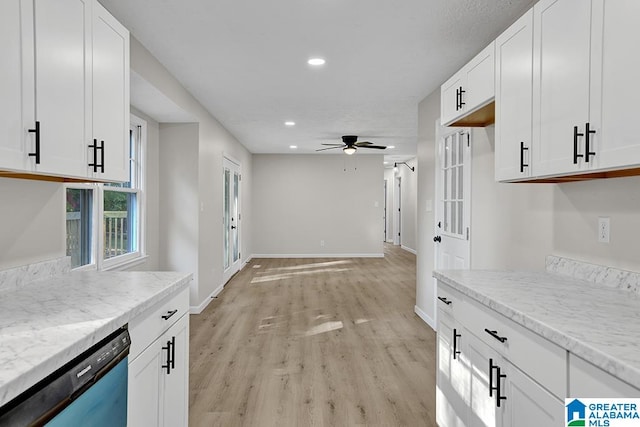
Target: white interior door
231 217
397 213
453 187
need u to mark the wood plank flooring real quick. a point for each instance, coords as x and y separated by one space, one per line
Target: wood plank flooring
314 342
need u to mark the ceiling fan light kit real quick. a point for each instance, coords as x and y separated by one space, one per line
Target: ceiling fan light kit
350 144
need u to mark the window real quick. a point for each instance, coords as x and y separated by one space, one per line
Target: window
105 221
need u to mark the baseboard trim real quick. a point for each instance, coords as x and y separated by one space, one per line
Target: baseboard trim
408 249
428 320
375 255
200 308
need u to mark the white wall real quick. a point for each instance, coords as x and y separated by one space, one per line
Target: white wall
301 200
32 221
213 142
577 206
428 112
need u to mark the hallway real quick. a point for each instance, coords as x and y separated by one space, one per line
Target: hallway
327 342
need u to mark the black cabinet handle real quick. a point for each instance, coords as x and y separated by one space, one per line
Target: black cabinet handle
456 335
462 104
495 335
95 155
444 300
491 368
499 377
101 156
457 99
575 145
36 153
169 314
173 354
168 365
587 149
522 150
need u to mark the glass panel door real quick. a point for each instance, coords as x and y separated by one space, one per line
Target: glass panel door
231 216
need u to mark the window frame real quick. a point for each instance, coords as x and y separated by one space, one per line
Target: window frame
98 261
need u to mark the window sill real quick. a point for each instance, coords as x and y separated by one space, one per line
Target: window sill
125 264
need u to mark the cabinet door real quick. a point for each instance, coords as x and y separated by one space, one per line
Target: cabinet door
480 80
514 90
452 377
144 389
62 43
614 95
483 409
450 107
528 404
16 34
561 61
176 381
110 114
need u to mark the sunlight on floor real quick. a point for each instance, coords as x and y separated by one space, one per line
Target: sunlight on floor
313 265
273 277
324 327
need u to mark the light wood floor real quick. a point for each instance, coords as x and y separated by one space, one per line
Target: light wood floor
314 342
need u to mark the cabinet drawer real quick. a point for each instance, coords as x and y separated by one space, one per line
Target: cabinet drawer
147 327
449 300
587 380
544 361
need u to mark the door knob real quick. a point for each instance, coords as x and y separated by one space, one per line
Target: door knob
437 239
233 227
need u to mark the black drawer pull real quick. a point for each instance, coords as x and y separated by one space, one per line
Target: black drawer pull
169 314
36 153
168 348
444 300
94 146
495 335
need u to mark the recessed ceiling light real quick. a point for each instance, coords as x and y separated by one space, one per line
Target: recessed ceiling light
293 147
391 146
316 61
289 123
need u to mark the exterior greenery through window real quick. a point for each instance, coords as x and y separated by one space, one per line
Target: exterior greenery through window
116 237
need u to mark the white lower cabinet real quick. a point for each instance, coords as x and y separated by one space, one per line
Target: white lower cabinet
587 380
484 384
158 391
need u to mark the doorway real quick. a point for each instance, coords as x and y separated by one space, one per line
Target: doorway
231 217
384 210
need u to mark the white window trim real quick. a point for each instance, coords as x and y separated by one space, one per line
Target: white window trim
97 225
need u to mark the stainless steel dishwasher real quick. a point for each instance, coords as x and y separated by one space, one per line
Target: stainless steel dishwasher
90 390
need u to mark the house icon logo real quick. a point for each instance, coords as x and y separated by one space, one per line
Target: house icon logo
576 413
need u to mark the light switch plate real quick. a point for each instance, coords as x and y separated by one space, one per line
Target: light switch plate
604 231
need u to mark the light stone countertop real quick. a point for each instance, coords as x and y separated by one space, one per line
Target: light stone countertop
48 322
597 323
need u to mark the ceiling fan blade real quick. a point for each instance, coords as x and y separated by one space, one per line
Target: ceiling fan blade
330 148
335 145
379 147
363 143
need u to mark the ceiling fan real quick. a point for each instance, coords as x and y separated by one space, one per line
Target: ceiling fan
350 144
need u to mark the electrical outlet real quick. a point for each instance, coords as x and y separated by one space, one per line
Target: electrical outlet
604 231
322 243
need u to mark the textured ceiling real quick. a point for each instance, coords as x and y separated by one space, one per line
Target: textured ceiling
246 61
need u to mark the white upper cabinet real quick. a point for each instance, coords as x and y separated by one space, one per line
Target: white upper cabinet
62 46
110 114
13 142
561 60
614 96
514 91
60 91
466 97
